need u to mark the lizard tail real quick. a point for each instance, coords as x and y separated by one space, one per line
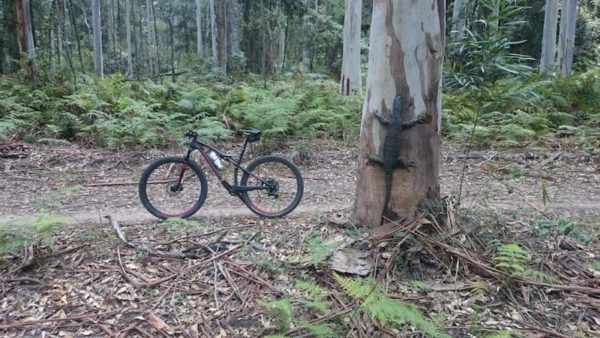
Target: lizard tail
389 174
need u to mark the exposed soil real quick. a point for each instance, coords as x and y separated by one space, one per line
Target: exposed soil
91 284
59 180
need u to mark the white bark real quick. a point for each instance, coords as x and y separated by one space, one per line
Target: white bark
149 20
459 19
213 30
566 41
97 24
281 46
350 82
549 36
128 37
405 58
199 45
233 31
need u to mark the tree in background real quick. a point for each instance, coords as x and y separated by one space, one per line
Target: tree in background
97 24
25 39
547 58
408 62
459 19
199 44
566 40
350 83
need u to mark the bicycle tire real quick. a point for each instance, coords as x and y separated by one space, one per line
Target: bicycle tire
159 211
296 180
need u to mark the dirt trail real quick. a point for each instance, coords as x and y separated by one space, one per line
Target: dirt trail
55 180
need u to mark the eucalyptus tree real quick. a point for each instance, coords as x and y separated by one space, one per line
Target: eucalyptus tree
97 27
128 38
199 44
459 19
566 40
350 82
25 39
404 62
549 36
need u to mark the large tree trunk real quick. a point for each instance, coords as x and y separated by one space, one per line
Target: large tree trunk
566 40
128 38
222 34
25 36
97 24
549 36
213 31
149 21
233 30
350 82
459 19
408 62
199 45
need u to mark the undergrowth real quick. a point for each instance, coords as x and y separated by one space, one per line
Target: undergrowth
112 112
19 234
515 111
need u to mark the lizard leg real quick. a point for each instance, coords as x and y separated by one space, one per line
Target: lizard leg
380 118
400 163
374 160
423 118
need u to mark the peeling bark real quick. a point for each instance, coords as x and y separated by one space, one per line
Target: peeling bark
350 82
406 54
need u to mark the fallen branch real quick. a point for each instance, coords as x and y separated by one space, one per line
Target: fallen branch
66 251
207 234
41 321
148 247
550 332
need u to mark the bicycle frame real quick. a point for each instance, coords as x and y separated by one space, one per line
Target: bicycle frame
235 189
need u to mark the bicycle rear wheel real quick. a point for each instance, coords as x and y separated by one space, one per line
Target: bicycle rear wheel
279 186
173 187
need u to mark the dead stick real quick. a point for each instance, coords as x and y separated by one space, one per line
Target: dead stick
66 251
124 274
209 260
119 231
41 321
162 297
208 233
320 320
573 288
541 329
231 282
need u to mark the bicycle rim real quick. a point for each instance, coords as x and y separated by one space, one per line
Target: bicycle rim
173 188
281 187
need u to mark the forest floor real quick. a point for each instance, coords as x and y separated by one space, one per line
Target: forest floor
90 283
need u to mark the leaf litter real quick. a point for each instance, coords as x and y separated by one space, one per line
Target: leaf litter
92 283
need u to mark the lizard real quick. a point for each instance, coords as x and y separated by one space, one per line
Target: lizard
392 145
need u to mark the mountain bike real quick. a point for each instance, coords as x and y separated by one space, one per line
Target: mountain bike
270 186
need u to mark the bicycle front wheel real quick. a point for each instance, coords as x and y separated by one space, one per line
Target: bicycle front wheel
173 187
277 186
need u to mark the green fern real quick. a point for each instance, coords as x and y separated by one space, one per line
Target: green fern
316 295
499 334
318 251
386 310
511 258
40 231
320 330
280 313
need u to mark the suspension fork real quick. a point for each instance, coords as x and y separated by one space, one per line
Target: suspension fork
184 167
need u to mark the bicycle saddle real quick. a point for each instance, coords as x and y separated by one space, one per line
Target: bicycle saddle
252 135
